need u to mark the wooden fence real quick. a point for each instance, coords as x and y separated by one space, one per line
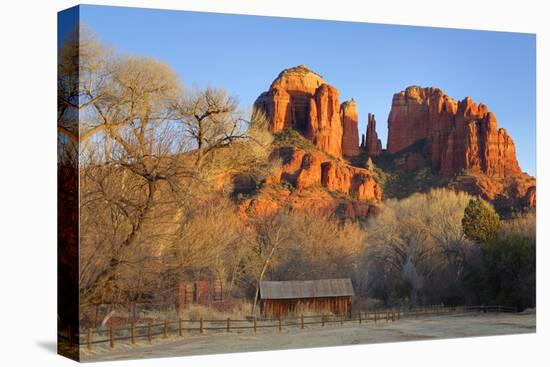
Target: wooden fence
182 327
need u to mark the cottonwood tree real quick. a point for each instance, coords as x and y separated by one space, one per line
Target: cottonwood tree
84 75
271 235
320 246
128 148
418 238
142 171
208 240
224 141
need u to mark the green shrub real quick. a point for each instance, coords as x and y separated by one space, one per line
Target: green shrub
507 271
481 222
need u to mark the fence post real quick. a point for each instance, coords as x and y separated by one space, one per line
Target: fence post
228 326
165 331
90 336
341 320
375 317
280 326
301 321
133 332
180 327
201 329
112 337
149 336
387 316
254 324
360 317
323 320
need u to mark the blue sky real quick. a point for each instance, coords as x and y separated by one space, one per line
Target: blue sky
369 62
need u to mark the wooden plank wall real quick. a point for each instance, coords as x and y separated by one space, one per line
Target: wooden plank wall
275 308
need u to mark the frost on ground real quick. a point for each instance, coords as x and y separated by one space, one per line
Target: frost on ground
316 336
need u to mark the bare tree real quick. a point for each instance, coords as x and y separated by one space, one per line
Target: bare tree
143 172
132 117
224 141
83 78
417 237
320 247
271 235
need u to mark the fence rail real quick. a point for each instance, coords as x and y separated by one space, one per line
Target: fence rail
182 327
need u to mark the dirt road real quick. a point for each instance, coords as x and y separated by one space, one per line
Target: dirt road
317 336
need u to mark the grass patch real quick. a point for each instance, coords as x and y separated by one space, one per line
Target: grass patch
291 138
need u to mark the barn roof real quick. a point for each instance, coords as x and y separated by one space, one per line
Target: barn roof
306 288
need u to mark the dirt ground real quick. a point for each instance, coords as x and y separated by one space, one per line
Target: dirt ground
425 328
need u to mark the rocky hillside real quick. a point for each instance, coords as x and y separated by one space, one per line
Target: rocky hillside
433 140
313 132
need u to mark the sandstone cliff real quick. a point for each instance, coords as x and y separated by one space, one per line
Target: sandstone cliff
286 103
309 180
350 137
455 143
458 135
304 169
373 145
300 99
325 126
456 138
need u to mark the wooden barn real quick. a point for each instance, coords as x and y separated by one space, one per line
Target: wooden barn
323 296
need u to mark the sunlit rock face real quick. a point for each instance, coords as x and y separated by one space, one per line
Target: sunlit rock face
461 141
350 137
372 145
458 135
300 99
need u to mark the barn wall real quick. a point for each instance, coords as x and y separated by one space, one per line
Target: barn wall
275 308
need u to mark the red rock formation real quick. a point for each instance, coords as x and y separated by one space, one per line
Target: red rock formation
310 172
314 200
293 162
373 145
275 104
455 135
308 169
319 186
480 146
325 126
504 193
350 138
300 99
287 102
357 182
